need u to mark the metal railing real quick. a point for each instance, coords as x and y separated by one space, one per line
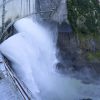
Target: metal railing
22 88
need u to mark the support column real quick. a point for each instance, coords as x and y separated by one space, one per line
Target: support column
3 15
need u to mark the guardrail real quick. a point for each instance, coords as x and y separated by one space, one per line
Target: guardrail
24 91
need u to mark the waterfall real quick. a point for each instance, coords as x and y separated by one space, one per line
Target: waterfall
33 57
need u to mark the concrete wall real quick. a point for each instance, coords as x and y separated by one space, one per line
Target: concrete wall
16 9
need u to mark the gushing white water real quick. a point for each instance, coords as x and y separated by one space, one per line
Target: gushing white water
32 53
18 53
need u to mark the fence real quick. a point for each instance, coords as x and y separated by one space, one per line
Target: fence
22 88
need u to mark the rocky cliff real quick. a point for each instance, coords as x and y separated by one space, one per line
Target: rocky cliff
80 54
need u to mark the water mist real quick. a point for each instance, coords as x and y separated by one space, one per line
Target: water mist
33 56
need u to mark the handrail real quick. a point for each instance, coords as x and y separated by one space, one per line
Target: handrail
25 92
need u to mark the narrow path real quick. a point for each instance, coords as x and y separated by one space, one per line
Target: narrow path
8 91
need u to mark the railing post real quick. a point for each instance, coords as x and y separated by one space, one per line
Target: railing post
3 15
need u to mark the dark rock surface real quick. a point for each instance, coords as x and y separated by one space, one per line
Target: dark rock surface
46 6
73 57
1 75
86 99
52 9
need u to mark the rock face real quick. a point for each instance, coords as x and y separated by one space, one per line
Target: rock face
1 75
78 57
52 9
86 99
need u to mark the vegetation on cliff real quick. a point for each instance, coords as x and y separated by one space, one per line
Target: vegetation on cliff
84 17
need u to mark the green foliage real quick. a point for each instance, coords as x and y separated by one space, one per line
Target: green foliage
84 15
91 56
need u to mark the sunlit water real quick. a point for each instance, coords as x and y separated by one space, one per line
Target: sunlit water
33 56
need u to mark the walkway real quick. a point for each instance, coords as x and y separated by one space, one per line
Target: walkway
8 90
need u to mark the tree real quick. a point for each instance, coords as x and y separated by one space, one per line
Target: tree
84 15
